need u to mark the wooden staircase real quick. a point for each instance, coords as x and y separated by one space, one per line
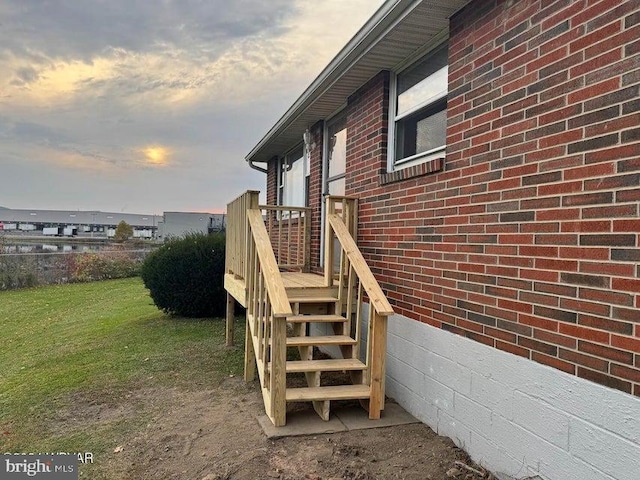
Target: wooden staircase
340 337
299 314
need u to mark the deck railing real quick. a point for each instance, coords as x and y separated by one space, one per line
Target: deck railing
236 242
354 279
267 311
289 229
290 232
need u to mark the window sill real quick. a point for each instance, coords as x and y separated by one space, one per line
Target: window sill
430 166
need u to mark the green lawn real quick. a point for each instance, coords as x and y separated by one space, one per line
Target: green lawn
95 342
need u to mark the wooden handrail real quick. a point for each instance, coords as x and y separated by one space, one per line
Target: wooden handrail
284 208
376 297
275 287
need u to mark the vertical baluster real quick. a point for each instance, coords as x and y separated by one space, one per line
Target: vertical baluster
350 299
266 339
249 273
254 280
328 245
279 254
307 242
369 344
289 243
299 241
359 321
260 317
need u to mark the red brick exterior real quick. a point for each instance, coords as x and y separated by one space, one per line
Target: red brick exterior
527 241
272 182
315 193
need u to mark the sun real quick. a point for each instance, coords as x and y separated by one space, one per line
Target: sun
156 155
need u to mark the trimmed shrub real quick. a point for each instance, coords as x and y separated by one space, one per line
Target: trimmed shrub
186 276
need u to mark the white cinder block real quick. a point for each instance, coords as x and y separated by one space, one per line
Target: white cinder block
405 375
520 443
447 372
453 428
485 452
615 411
439 394
496 396
472 413
542 419
556 463
401 347
613 455
419 408
515 416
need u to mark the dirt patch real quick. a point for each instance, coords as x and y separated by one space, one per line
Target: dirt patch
214 435
96 409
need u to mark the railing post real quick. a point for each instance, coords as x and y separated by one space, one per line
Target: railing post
328 244
231 303
278 380
251 203
378 341
307 242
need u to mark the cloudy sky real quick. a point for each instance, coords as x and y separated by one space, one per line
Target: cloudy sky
145 106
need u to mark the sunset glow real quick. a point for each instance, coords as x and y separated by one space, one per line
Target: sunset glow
156 155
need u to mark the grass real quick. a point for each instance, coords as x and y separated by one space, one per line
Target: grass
70 344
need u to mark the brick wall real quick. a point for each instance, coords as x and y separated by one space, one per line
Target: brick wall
528 240
272 182
315 194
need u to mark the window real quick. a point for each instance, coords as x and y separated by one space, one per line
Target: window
293 179
419 106
336 163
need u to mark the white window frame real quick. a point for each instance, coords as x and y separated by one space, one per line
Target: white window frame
281 179
399 164
327 124
326 179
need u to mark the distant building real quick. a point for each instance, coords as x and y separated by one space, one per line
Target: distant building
178 224
75 222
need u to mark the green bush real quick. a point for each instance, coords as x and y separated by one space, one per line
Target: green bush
186 276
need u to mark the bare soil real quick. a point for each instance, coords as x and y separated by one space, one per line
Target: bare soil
214 435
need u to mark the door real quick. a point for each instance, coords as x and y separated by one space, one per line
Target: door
335 164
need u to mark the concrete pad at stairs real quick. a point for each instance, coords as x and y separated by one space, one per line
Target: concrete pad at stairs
301 423
307 422
355 418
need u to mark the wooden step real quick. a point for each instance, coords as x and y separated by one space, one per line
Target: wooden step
340 392
293 292
316 319
318 299
312 341
328 365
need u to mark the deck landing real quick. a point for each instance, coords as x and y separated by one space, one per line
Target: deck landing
297 281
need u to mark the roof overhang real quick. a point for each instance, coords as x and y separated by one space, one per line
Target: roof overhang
399 30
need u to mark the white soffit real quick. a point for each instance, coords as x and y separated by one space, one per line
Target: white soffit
396 31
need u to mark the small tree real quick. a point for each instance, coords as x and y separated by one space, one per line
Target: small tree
124 231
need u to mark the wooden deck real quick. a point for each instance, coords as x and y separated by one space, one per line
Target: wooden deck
302 280
294 282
